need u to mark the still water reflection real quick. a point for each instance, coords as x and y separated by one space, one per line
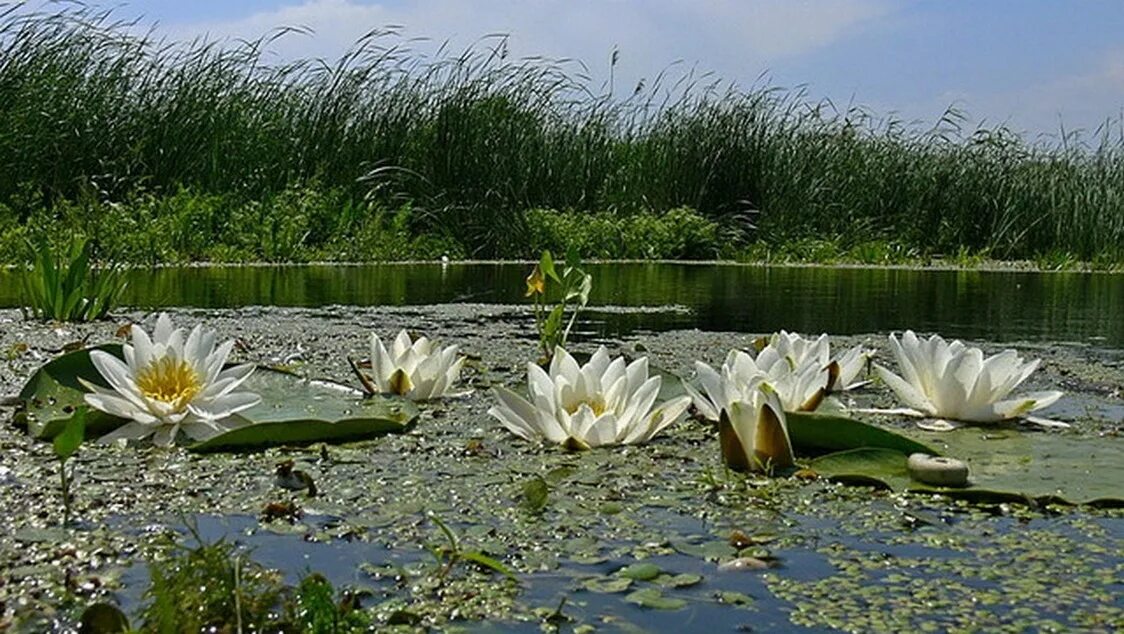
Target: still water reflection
993 305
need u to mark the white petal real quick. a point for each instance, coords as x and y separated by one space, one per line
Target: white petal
165 435
401 344
224 406
905 392
164 328
129 431
704 406
117 406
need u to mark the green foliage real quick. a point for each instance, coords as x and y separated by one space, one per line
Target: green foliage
573 285
211 587
317 610
93 114
450 555
679 234
67 287
65 445
216 587
296 225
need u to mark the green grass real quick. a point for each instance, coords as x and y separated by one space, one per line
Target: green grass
64 284
188 142
216 587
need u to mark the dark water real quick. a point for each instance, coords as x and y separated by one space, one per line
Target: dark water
339 562
1000 306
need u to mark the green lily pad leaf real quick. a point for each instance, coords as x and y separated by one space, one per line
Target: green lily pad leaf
607 585
640 572
684 580
70 438
654 599
1046 466
103 618
882 468
300 411
734 598
53 396
1004 465
535 494
819 433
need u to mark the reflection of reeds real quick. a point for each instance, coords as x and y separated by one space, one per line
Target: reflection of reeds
88 107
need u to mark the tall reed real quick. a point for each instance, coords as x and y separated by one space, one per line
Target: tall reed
472 139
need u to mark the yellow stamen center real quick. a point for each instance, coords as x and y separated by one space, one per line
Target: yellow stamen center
169 380
597 404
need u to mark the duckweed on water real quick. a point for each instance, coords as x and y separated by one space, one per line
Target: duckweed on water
845 557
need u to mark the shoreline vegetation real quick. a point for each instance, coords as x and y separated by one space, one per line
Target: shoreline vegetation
171 153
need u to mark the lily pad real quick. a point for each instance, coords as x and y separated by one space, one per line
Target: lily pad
654 599
819 433
52 396
870 466
298 411
293 410
1005 465
640 572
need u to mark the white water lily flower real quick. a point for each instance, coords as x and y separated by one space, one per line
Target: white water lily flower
168 383
803 352
798 388
604 402
417 370
953 381
752 431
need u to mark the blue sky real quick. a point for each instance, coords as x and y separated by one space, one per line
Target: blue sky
1027 63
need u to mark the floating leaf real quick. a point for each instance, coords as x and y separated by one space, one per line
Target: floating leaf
535 493
734 598
711 551
300 411
744 563
640 572
819 433
882 468
684 580
1006 464
607 585
654 599
103 618
53 395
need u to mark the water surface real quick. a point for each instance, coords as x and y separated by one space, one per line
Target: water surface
995 305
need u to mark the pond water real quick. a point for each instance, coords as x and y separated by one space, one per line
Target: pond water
993 305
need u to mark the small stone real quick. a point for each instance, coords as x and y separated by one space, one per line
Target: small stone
937 470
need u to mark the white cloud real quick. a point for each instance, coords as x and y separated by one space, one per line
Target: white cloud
1081 101
737 39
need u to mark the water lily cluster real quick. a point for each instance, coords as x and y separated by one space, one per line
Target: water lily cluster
179 381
